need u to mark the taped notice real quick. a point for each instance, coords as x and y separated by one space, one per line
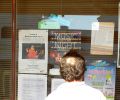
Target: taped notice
32 87
102 39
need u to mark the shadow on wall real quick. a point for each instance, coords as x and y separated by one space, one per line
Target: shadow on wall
6 32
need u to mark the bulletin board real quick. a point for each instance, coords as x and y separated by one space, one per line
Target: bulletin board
59 42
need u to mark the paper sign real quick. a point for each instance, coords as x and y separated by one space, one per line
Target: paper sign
32 87
33 51
102 40
102 78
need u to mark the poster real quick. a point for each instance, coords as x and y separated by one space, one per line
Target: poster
118 64
102 38
60 42
102 78
56 82
32 87
33 51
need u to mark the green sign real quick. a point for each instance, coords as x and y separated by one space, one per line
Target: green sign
48 24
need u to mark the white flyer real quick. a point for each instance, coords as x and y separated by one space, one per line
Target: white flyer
102 39
33 51
32 87
56 82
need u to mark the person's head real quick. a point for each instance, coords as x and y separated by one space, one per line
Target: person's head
72 66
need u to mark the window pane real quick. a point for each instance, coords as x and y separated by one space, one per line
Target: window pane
5 49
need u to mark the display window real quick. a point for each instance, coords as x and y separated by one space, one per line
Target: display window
35 34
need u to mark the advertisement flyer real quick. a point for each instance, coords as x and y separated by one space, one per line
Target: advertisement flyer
32 87
33 51
60 42
102 38
102 78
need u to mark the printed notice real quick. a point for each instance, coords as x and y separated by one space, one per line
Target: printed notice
33 51
102 39
32 87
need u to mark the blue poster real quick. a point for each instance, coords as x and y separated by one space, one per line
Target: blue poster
102 78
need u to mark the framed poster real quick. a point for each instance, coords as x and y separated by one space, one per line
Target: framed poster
33 51
60 42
